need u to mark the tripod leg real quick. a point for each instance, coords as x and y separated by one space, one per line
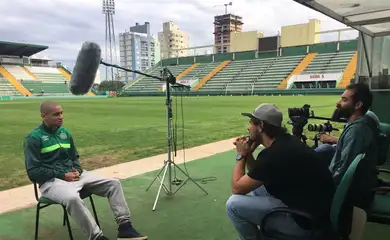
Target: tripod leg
158 174
189 178
161 185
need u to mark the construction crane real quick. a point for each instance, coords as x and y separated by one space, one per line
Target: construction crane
226 6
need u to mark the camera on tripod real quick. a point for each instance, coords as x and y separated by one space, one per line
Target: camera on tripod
323 127
299 118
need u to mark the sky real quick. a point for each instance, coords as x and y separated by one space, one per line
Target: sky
64 25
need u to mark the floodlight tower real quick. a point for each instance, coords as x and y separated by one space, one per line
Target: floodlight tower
109 12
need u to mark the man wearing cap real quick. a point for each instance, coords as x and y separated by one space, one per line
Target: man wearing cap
288 172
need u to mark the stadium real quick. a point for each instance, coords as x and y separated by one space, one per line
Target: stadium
122 133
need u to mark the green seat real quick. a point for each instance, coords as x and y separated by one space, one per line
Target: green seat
385 128
381 205
43 202
340 213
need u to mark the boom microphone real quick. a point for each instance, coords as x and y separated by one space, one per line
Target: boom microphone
85 69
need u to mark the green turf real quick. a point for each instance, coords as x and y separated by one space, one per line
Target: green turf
188 215
111 131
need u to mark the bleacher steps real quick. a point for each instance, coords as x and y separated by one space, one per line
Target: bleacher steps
7 75
349 72
187 71
64 73
203 81
67 76
30 73
298 69
182 74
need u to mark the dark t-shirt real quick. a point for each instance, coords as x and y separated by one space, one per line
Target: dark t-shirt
294 173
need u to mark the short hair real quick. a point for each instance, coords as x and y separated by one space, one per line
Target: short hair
271 130
361 93
45 106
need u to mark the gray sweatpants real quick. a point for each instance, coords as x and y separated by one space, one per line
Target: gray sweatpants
67 193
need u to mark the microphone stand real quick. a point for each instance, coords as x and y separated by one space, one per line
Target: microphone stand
168 78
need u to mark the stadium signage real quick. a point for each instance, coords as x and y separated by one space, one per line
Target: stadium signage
187 82
314 77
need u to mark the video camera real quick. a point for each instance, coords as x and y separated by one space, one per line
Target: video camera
299 118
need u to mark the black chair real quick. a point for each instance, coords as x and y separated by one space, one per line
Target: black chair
340 213
45 202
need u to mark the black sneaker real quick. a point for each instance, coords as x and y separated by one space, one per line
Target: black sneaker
127 231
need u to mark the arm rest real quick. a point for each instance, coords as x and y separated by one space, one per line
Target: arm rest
381 190
382 170
293 212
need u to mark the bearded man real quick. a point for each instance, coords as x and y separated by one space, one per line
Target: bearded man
359 136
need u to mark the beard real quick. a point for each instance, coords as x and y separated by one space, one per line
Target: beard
343 113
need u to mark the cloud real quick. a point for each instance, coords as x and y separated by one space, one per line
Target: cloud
64 24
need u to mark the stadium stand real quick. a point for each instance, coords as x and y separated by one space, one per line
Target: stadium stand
18 72
148 84
329 63
22 75
6 89
326 63
47 74
253 72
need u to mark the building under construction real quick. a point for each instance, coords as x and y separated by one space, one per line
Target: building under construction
223 26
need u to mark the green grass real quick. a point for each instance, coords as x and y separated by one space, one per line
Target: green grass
112 131
190 214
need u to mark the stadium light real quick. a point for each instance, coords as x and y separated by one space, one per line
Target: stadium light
108 7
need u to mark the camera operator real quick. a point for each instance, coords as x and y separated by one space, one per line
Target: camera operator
359 136
286 173
329 142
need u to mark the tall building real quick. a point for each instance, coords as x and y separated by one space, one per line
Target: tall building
172 41
224 25
137 50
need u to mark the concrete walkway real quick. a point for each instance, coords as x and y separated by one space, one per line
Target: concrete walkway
23 197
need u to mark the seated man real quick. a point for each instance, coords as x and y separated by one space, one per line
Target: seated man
329 142
52 162
359 136
288 172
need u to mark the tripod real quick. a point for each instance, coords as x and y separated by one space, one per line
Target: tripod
168 78
168 164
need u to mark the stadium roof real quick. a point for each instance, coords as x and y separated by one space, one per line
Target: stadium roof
369 16
20 49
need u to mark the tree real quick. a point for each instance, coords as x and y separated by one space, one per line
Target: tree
111 86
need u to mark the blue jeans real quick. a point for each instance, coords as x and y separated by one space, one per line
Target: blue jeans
327 151
246 213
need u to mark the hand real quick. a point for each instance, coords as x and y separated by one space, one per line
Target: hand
253 144
242 145
325 138
72 176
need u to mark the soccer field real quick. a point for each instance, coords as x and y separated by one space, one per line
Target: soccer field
116 130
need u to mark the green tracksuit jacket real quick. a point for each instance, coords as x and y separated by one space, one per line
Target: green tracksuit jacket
50 154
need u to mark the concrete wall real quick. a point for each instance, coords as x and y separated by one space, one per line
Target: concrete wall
301 34
244 41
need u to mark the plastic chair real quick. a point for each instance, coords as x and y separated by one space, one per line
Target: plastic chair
45 202
337 212
380 209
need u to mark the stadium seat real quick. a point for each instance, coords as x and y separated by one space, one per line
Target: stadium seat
6 89
338 214
43 202
380 209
